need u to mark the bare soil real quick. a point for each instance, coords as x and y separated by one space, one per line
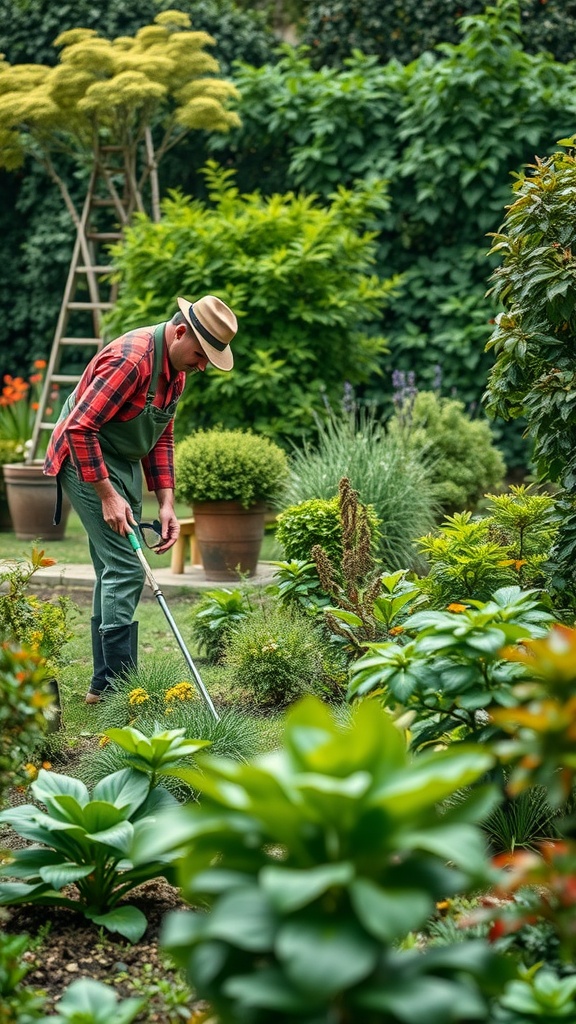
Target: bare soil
75 948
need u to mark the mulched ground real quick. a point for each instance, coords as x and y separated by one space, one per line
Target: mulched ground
75 948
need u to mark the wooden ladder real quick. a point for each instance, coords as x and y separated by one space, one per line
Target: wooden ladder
78 334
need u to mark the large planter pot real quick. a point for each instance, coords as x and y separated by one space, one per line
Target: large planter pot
31 500
229 538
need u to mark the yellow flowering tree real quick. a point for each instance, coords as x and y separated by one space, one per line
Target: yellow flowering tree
141 94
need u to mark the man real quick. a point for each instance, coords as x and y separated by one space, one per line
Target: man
118 421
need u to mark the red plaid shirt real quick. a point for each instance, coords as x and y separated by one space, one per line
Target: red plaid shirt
114 386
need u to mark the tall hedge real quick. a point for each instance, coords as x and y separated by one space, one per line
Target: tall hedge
447 132
404 29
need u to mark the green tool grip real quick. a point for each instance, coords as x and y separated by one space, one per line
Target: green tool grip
136 545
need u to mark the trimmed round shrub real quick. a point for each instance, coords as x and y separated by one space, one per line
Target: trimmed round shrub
229 465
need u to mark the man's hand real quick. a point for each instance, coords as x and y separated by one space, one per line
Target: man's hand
115 509
168 520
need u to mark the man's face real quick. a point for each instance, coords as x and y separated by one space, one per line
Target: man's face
185 352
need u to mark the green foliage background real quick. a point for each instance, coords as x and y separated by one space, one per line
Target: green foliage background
446 131
300 278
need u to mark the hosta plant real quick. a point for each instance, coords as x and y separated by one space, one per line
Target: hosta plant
87 1001
540 995
86 840
313 862
446 667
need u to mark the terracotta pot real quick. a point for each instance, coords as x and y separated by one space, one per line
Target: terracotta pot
229 538
31 500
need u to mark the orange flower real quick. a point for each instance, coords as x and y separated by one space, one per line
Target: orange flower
396 630
39 364
455 607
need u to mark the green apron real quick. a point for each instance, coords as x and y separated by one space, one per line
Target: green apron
124 444
119 576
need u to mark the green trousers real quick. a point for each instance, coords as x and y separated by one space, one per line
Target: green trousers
119 575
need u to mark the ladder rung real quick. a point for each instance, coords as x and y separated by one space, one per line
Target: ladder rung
80 341
64 378
95 269
90 305
103 236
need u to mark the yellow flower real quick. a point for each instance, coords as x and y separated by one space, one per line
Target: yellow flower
103 741
138 696
455 607
270 647
31 770
181 691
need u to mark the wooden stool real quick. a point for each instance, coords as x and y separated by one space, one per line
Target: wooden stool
187 529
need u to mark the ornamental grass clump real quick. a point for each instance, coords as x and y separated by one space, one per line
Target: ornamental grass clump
229 465
388 477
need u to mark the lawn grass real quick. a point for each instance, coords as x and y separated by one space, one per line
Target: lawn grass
156 641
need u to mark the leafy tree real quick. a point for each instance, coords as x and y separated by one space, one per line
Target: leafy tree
300 277
36 245
534 341
144 94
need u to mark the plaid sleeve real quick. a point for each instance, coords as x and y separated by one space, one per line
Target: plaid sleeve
119 378
158 465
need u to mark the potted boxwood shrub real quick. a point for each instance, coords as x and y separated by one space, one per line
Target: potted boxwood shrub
229 478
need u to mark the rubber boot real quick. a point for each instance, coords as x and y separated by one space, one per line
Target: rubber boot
134 643
99 681
119 652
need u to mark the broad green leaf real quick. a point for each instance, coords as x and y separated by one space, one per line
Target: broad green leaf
425 999
126 920
126 789
27 863
86 999
99 815
51 784
20 892
464 845
290 889
118 838
389 914
269 989
59 875
243 918
324 957
431 778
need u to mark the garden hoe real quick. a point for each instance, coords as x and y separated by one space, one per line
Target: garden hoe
137 547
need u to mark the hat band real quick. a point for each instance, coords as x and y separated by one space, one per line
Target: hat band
205 333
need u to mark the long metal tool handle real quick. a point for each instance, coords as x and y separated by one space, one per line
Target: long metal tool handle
137 547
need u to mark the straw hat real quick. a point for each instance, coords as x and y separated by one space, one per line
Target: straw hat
214 325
